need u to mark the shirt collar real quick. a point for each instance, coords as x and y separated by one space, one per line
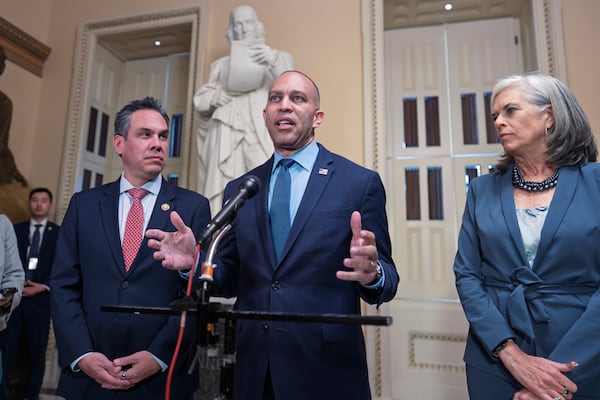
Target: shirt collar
306 157
33 222
152 186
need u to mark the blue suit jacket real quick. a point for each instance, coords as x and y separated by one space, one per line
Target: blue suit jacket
552 309
307 360
42 273
89 272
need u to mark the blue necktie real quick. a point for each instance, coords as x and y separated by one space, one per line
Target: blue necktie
34 247
280 207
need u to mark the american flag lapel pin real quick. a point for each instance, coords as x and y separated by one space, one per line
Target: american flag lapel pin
323 171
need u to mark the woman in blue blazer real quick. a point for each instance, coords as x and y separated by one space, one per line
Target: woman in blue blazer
528 261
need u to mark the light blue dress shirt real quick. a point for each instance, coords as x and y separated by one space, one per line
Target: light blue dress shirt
299 174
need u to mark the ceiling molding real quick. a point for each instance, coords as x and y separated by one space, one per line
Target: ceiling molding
410 13
22 48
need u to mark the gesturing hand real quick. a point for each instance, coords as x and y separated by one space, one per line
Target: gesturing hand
175 249
363 254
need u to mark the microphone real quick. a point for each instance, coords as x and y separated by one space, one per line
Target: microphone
248 188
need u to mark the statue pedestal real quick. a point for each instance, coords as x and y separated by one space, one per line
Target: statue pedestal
14 201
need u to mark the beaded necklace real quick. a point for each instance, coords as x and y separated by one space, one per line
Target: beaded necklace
520 183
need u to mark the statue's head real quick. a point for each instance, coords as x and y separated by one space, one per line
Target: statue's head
244 25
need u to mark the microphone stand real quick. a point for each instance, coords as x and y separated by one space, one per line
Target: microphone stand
203 294
206 319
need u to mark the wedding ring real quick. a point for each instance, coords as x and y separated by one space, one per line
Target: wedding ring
124 375
565 392
559 397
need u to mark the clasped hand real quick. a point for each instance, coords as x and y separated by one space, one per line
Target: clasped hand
121 373
542 378
32 288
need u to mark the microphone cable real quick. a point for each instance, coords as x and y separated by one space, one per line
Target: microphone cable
181 325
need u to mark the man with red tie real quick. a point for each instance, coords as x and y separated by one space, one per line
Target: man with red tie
102 259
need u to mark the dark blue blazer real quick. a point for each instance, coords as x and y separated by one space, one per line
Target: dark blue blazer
89 272
30 321
307 360
42 273
38 306
552 309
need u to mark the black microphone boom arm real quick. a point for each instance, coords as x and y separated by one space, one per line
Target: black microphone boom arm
248 188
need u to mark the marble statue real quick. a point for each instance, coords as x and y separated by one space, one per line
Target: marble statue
232 137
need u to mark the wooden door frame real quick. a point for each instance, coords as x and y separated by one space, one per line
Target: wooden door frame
87 40
550 56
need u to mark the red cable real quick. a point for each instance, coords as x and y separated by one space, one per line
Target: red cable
181 326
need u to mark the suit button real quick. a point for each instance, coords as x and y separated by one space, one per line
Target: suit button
125 285
275 285
265 328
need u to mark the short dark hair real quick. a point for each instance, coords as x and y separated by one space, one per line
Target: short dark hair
123 117
40 190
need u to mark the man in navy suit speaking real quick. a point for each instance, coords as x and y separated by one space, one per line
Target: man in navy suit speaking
102 259
334 251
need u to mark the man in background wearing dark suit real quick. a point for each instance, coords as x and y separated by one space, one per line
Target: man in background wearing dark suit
111 355
29 324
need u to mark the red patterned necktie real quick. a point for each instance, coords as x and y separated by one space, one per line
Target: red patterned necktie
134 227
